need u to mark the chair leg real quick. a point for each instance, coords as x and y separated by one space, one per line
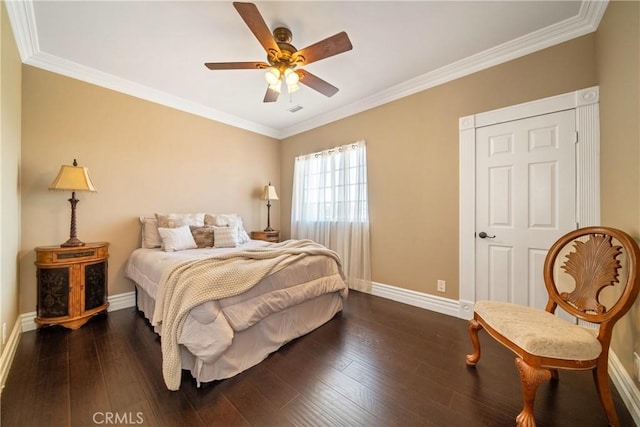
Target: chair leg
530 378
473 327
601 378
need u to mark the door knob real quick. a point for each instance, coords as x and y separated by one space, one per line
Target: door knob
484 235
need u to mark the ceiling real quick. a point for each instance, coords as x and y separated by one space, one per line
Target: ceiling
155 50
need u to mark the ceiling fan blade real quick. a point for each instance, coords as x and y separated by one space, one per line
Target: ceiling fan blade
316 83
251 16
236 65
333 45
271 96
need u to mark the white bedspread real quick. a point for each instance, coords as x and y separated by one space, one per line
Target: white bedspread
145 266
209 328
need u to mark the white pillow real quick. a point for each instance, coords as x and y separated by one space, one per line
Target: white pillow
228 220
174 220
225 237
150 236
177 239
243 237
222 220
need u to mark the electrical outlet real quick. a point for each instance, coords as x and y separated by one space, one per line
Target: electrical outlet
636 364
4 333
442 286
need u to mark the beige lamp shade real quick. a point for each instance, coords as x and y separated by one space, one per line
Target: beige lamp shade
73 178
269 193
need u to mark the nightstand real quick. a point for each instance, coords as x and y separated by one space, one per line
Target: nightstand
72 283
268 236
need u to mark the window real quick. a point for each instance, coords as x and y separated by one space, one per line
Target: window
330 206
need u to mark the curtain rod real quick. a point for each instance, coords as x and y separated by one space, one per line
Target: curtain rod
331 150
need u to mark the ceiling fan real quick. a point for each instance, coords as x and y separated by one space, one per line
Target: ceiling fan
283 58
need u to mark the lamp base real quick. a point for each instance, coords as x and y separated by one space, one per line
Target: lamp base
72 242
268 228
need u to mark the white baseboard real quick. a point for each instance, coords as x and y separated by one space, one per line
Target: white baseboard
9 352
116 302
28 321
120 301
418 299
626 386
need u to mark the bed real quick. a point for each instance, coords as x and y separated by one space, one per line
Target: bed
222 310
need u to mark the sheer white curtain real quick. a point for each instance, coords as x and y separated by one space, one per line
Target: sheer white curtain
330 206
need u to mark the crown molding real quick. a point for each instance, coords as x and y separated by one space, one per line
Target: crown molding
586 21
77 71
22 17
23 22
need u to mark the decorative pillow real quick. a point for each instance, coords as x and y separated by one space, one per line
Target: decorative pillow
174 220
243 236
176 239
203 236
228 220
150 236
221 220
225 237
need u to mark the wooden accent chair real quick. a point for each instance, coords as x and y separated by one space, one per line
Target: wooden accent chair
544 342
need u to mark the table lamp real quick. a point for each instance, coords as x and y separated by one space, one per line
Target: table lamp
269 194
73 178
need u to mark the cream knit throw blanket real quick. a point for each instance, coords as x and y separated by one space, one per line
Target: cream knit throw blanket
192 283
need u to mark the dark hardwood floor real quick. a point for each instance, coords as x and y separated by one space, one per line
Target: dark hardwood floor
379 363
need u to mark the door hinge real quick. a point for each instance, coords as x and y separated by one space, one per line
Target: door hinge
575 137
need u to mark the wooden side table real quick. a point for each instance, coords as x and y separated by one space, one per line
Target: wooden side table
72 283
268 236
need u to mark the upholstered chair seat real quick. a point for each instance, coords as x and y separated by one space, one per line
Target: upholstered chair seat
539 332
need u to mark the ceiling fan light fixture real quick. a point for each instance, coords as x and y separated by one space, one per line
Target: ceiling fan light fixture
291 77
292 87
272 76
276 87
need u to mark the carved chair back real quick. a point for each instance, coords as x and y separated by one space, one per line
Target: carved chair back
591 274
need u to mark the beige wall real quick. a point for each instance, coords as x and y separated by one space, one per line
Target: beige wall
10 111
618 67
143 158
412 149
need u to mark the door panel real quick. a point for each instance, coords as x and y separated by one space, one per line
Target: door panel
537 292
542 201
500 273
500 191
526 198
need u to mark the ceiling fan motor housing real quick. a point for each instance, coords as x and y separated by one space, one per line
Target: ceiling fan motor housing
284 59
283 35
